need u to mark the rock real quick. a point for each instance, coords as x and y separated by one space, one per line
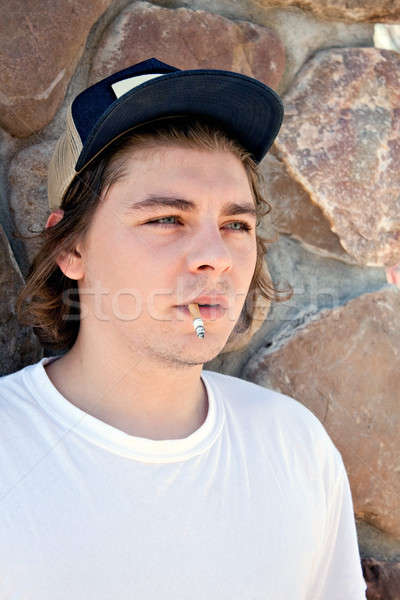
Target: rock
19 346
344 366
382 578
318 284
188 39
340 142
387 37
41 43
377 543
28 196
384 11
303 35
294 213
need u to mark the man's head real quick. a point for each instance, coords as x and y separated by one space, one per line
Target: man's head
103 260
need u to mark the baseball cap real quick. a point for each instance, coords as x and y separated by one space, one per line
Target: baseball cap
247 109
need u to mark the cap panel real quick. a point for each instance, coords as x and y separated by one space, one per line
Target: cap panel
62 164
90 104
123 86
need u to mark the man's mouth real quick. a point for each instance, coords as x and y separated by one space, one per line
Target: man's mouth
212 305
209 304
209 312
210 299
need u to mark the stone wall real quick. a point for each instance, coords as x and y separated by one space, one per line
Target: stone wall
332 177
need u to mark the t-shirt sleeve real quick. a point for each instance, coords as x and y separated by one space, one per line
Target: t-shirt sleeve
337 570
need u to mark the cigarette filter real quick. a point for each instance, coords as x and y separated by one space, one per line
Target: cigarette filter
198 324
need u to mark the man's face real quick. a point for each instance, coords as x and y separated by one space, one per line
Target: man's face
142 265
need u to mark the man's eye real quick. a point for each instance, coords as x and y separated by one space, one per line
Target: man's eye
157 221
243 226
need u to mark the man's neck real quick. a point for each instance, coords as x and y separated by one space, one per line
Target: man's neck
159 405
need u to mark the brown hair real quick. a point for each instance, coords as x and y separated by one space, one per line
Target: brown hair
41 302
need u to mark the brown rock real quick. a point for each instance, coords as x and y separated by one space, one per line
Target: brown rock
384 11
377 543
41 43
293 212
382 578
28 196
189 39
303 35
300 32
340 141
19 346
344 366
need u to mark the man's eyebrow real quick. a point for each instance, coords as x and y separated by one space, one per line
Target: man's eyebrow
230 208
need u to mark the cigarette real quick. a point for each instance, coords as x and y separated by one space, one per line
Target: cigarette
198 324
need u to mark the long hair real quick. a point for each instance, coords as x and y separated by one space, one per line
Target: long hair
41 302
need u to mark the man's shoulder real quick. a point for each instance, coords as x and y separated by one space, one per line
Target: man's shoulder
252 397
17 397
271 415
16 379
13 381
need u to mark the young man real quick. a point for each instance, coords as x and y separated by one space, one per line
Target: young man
127 470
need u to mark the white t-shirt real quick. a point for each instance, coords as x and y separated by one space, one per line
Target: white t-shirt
254 505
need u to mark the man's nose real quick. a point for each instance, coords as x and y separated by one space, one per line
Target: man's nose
209 250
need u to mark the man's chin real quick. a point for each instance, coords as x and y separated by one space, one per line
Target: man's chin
180 349
191 356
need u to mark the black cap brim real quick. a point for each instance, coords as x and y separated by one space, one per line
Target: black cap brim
248 110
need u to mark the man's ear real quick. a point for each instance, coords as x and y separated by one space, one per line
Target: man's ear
70 263
54 218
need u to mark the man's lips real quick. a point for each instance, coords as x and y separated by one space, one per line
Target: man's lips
216 309
217 300
209 313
